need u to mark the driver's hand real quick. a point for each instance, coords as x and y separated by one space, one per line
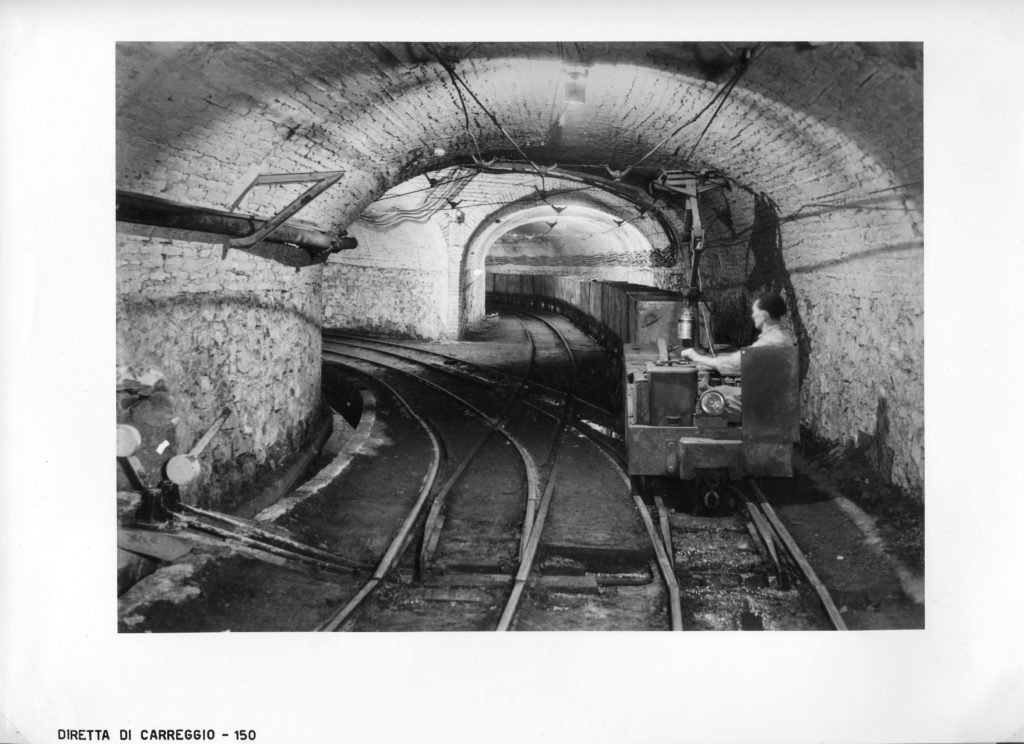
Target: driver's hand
688 353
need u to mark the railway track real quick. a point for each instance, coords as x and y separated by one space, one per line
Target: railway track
487 502
727 578
481 537
740 571
659 541
592 415
546 450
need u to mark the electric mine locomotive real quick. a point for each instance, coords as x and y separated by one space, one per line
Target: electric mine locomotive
675 422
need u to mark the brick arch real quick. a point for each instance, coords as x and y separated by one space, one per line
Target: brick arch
831 137
223 111
632 241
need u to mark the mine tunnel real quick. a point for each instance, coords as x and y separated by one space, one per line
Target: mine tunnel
267 192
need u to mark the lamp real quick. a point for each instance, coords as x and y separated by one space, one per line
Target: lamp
575 85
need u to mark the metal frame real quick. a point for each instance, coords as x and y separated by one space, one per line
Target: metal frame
324 180
689 183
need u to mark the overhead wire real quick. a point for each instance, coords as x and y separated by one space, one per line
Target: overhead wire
720 96
439 194
689 155
465 112
459 83
723 92
572 176
826 207
457 79
752 231
468 177
746 56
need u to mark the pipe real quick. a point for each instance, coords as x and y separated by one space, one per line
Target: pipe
148 210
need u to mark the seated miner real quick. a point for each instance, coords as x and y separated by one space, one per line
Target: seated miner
766 312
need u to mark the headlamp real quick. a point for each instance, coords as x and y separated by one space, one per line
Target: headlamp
712 402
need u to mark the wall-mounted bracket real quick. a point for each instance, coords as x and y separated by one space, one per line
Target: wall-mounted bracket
689 183
323 181
148 210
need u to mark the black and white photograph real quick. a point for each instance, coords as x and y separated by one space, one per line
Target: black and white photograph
553 381
429 336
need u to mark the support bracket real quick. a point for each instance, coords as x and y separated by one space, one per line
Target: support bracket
322 181
690 183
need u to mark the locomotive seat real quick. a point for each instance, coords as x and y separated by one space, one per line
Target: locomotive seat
769 381
769 385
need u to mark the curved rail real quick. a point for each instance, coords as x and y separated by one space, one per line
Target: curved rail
561 338
662 542
533 542
534 518
531 506
586 429
662 549
348 337
781 534
395 548
496 424
432 529
534 526
663 558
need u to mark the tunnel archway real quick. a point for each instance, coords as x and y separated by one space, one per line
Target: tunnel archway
566 233
809 128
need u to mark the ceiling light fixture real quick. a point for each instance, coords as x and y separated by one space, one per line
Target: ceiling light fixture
575 85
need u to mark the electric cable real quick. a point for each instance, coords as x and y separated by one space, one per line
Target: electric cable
745 58
459 81
440 182
465 112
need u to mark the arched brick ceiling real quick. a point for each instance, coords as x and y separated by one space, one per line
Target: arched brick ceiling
821 146
584 234
567 218
197 121
510 216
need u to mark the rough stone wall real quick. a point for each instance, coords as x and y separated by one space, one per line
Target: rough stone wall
395 282
242 332
863 308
